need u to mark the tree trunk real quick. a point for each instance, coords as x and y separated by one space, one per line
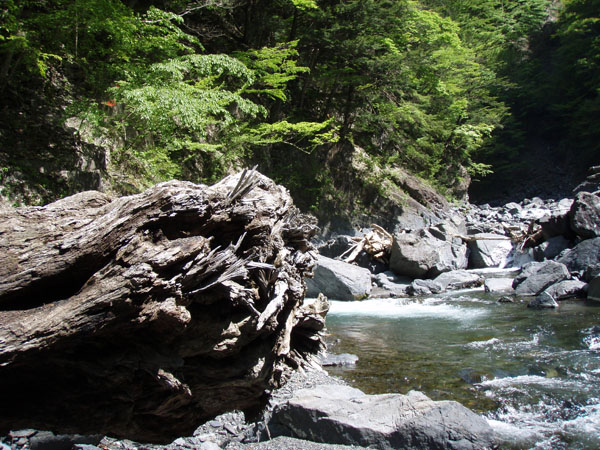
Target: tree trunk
142 316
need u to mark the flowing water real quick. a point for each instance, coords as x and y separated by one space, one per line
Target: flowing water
535 375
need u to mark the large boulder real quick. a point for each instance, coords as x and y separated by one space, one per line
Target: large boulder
343 415
143 316
494 285
543 301
458 279
427 253
553 247
555 224
567 289
338 280
585 215
593 292
537 276
488 250
584 258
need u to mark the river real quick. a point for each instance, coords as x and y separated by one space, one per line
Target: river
535 375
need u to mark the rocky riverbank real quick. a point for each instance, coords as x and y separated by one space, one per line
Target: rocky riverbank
288 414
522 249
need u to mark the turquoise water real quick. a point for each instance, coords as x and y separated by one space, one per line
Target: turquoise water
535 375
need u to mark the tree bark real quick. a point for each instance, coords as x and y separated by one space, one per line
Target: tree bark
142 316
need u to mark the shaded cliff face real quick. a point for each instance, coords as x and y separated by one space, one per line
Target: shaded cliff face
142 316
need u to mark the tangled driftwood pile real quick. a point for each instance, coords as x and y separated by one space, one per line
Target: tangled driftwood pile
142 316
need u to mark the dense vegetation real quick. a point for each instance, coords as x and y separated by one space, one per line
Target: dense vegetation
190 89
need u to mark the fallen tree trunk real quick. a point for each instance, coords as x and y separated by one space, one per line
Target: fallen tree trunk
143 316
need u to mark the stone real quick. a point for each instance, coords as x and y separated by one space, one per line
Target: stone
537 276
420 254
567 289
338 280
151 313
391 284
336 414
335 246
543 301
555 224
488 250
424 287
585 215
582 257
506 299
458 279
553 247
46 440
513 208
593 292
494 285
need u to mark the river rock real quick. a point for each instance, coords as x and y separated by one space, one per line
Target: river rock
585 215
553 247
424 287
421 254
543 301
555 224
458 279
142 316
593 292
391 284
537 276
488 250
338 280
583 259
498 285
567 289
343 415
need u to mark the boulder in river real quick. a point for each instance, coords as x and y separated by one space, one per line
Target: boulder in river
585 215
343 415
338 280
553 247
424 287
427 253
583 259
458 279
142 316
543 301
488 250
567 289
498 285
537 276
593 292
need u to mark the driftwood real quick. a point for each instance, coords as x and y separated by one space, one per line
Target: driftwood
142 316
377 243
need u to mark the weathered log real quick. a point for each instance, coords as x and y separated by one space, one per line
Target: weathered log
142 316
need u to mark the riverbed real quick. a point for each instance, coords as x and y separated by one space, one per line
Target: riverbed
535 375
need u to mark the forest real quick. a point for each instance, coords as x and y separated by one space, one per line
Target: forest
449 90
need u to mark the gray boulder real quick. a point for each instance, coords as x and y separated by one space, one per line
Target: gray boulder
553 247
583 258
488 250
343 415
585 215
543 301
537 276
424 287
338 280
458 279
423 254
593 292
555 224
392 284
498 285
567 289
